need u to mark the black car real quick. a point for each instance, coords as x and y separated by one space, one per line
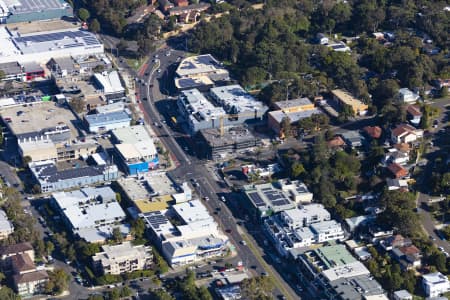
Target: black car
145 98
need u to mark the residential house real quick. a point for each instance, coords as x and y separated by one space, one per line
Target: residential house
405 133
435 284
322 39
374 132
181 3
395 241
165 5
397 170
6 227
353 138
395 156
336 143
118 259
409 256
405 95
402 295
396 184
414 114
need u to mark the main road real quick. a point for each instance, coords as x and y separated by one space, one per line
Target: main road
154 89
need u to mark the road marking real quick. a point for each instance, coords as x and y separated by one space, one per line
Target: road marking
266 266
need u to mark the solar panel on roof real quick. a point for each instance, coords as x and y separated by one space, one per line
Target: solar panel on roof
256 199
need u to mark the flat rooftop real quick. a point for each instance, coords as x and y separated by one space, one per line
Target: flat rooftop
235 99
148 185
345 97
279 115
199 107
34 120
62 39
47 25
31 6
232 135
265 196
333 256
154 204
293 103
200 65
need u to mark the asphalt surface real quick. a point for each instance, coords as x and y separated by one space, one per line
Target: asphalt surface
159 106
427 219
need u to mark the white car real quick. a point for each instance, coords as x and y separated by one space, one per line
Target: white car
222 198
244 243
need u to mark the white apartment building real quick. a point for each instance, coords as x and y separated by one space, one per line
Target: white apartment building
118 259
435 284
302 227
297 190
197 237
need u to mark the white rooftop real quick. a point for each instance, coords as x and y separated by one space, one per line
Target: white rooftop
110 82
309 213
5 224
325 226
352 269
83 212
193 211
113 107
234 97
121 252
435 278
199 65
135 142
196 103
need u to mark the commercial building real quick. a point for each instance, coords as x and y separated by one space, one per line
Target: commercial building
301 227
212 144
13 71
33 10
297 190
45 131
435 284
135 148
200 72
343 97
107 121
332 272
197 112
6 227
233 106
91 213
236 101
42 46
294 110
118 259
266 199
195 238
110 85
51 179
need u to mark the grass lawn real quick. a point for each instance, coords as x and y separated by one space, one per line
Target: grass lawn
135 63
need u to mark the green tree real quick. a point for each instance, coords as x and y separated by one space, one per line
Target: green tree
297 170
443 93
49 247
160 263
125 292
8 294
138 228
26 160
286 127
256 288
58 281
2 75
117 235
160 294
94 26
83 14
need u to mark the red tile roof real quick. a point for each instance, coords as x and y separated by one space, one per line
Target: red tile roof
414 110
373 131
397 170
22 263
337 141
403 128
409 250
